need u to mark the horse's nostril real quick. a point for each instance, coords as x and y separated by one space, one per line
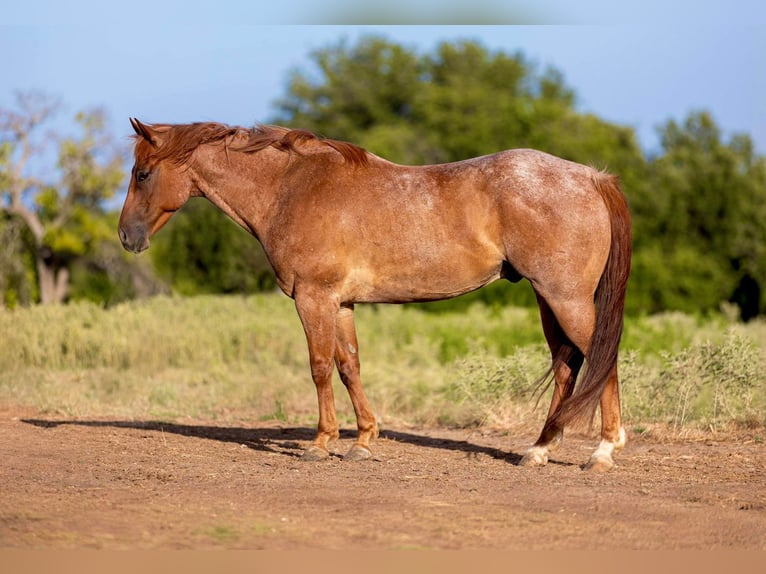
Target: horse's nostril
123 236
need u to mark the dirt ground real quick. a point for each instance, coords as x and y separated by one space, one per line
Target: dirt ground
68 483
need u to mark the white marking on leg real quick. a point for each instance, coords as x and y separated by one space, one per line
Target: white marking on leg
604 450
620 444
601 458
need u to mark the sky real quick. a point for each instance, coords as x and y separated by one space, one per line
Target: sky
637 64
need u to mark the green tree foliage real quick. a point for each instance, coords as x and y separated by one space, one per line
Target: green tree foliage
17 278
699 207
109 275
458 102
57 224
699 204
701 225
202 251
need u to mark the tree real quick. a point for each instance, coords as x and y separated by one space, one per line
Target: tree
699 207
459 101
16 285
364 94
64 217
203 251
701 229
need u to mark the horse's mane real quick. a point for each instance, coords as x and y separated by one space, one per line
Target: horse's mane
287 139
180 140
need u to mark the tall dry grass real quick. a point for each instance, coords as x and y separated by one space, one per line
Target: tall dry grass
245 358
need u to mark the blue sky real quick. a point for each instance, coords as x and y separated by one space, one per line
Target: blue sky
636 64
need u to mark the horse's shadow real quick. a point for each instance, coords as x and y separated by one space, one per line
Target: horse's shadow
288 441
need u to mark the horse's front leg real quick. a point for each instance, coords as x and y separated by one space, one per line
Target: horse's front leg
347 361
318 312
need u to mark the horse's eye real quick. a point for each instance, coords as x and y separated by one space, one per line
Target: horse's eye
142 176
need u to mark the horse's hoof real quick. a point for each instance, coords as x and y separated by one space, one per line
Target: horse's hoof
358 453
535 456
599 464
315 454
601 460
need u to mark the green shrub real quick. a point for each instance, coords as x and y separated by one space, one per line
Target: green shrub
709 384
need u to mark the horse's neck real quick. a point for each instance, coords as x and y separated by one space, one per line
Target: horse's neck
240 185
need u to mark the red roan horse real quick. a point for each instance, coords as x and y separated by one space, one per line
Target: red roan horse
342 226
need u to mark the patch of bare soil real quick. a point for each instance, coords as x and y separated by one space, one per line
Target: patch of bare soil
67 483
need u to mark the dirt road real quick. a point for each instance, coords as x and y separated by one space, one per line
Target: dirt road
67 483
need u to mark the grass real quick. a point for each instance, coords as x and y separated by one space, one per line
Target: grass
232 358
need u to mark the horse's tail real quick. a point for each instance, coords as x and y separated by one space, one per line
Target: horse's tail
610 304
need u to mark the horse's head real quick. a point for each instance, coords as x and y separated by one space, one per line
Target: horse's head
159 186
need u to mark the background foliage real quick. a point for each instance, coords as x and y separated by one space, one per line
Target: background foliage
699 202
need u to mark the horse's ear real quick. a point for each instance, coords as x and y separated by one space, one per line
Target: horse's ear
145 132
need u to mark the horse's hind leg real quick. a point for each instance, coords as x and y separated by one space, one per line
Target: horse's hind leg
567 360
612 432
576 320
347 361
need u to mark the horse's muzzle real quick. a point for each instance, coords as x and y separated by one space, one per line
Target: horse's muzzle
134 239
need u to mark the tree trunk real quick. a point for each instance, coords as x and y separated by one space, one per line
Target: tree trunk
53 283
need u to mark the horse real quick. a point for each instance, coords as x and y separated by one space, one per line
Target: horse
341 226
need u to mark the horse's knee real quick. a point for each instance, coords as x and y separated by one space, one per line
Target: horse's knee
321 370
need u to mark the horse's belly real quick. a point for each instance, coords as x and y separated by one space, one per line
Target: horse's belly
423 277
